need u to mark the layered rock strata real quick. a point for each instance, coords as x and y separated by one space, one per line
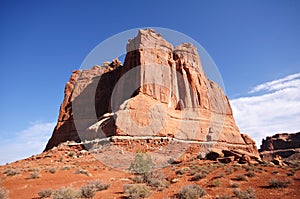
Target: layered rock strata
160 91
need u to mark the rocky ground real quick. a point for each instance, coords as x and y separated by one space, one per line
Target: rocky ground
72 169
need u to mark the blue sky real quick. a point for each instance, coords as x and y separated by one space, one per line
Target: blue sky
41 42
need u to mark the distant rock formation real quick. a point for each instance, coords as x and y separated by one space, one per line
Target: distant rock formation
283 144
161 91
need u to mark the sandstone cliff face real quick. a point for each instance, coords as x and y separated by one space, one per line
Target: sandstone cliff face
160 90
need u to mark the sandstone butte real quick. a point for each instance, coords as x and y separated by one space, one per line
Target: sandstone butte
284 145
159 91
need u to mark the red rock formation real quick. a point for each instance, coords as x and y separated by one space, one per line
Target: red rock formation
283 144
160 91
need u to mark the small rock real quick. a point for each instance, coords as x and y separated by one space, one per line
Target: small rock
175 180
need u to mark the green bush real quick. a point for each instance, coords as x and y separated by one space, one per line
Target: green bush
191 192
66 193
45 193
275 183
142 164
3 193
248 194
136 191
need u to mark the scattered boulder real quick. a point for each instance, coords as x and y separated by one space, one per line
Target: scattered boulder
214 154
244 159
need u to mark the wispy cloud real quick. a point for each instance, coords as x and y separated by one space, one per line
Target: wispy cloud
25 143
275 108
286 82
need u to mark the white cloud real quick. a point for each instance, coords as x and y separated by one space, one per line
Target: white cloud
277 110
26 142
277 84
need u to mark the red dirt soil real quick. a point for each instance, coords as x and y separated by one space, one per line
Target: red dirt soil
23 186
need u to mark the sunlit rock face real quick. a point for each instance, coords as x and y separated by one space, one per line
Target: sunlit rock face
160 90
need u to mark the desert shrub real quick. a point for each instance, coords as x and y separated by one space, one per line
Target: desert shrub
241 177
52 170
82 171
275 172
98 186
45 193
234 185
224 197
291 172
34 175
66 193
136 191
191 192
216 183
275 183
72 154
66 167
138 179
87 192
158 184
3 193
142 164
250 174
198 176
248 194
11 172
180 172
228 170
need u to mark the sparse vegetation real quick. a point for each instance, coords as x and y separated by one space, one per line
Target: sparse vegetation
180 172
250 174
275 172
11 172
158 184
198 176
66 193
276 183
248 194
72 154
52 170
137 191
191 192
241 177
142 164
291 172
234 185
216 183
45 193
98 186
82 171
34 175
87 192
228 170
3 193
223 197
66 167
